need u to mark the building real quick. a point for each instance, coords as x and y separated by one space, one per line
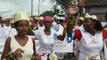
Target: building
97 7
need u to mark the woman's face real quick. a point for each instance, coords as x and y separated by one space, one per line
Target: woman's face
88 24
34 23
47 24
41 22
7 22
22 27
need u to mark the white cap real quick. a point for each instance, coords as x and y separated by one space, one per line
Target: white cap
81 18
91 16
36 17
55 16
39 18
94 17
20 16
87 15
60 18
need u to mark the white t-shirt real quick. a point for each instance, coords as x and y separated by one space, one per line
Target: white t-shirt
90 45
46 41
28 48
41 27
10 31
3 37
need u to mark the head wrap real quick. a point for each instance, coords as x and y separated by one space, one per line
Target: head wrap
39 18
48 18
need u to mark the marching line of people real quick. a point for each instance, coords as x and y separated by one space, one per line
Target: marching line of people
56 36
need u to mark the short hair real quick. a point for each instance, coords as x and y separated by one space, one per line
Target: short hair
98 25
16 24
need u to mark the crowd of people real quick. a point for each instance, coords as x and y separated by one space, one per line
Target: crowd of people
85 37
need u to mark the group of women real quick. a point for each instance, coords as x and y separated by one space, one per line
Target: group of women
89 38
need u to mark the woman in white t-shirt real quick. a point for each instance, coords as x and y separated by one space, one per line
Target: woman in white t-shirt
46 37
90 43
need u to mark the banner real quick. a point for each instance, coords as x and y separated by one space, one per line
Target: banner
63 47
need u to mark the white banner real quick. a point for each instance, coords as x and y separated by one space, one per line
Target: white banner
63 47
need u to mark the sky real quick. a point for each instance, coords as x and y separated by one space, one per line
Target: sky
12 6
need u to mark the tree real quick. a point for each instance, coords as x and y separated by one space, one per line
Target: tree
48 13
64 3
55 10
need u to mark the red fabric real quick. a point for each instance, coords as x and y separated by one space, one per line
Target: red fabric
105 33
43 54
78 34
47 18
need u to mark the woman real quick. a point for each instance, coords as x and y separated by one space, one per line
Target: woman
46 38
90 39
21 46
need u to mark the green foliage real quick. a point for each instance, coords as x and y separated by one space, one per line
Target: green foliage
50 13
47 13
64 3
53 12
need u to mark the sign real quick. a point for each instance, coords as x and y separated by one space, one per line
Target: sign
63 47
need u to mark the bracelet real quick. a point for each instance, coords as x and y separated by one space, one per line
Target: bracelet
10 54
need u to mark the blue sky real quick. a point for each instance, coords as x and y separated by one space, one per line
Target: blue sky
25 5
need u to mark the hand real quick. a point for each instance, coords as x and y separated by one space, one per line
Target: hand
37 57
73 10
60 37
18 53
92 58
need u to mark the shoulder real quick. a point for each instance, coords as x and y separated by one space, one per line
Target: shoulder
32 38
